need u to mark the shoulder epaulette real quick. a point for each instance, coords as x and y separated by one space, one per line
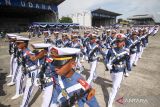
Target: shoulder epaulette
84 84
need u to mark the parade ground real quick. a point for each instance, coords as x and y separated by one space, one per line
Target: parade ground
140 89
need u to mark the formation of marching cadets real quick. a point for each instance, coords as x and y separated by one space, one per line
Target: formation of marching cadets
56 65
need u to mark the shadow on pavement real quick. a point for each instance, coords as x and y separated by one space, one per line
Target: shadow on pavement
37 94
2 82
103 83
1 105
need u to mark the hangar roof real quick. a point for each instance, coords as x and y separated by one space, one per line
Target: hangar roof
145 16
47 1
155 17
103 11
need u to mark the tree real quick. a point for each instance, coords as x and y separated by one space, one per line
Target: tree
65 20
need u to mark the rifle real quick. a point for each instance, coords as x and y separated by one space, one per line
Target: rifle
15 51
134 44
74 98
119 60
10 48
25 71
85 41
19 57
58 42
41 73
112 61
111 43
142 37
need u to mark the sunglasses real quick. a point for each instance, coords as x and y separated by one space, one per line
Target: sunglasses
134 34
59 63
119 41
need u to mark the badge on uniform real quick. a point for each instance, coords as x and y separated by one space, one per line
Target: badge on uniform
85 85
64 93
120 63
69 79
76 105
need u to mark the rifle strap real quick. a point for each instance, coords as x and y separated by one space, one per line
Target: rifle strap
92 49
117 55
64 92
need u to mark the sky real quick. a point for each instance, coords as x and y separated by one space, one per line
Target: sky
125 7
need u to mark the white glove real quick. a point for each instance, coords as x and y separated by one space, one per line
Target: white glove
37 82
28 82
109 66
127 50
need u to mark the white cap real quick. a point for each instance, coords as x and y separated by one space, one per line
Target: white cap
113 31
40 45
65 51
56 32
19 36
21 39
75 35
64 33
45 31
12 35
94 35
108 30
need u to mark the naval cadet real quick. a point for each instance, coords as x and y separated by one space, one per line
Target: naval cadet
117 60
46 75
72 89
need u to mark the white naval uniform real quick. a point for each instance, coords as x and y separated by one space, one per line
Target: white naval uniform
93 64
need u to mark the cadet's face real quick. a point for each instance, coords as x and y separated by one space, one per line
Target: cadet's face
93 40
113 34
120 44
46 34
74 39
141 33
134 36
20 45
56 35
62 70
108 33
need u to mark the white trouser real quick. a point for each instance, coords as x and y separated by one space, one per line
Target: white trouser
47 96
137 57
30 83
141 51
106 51
116 81
79 65
11 64
93 74
83 56
19 81
15 70
132 59
54 105
86 58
